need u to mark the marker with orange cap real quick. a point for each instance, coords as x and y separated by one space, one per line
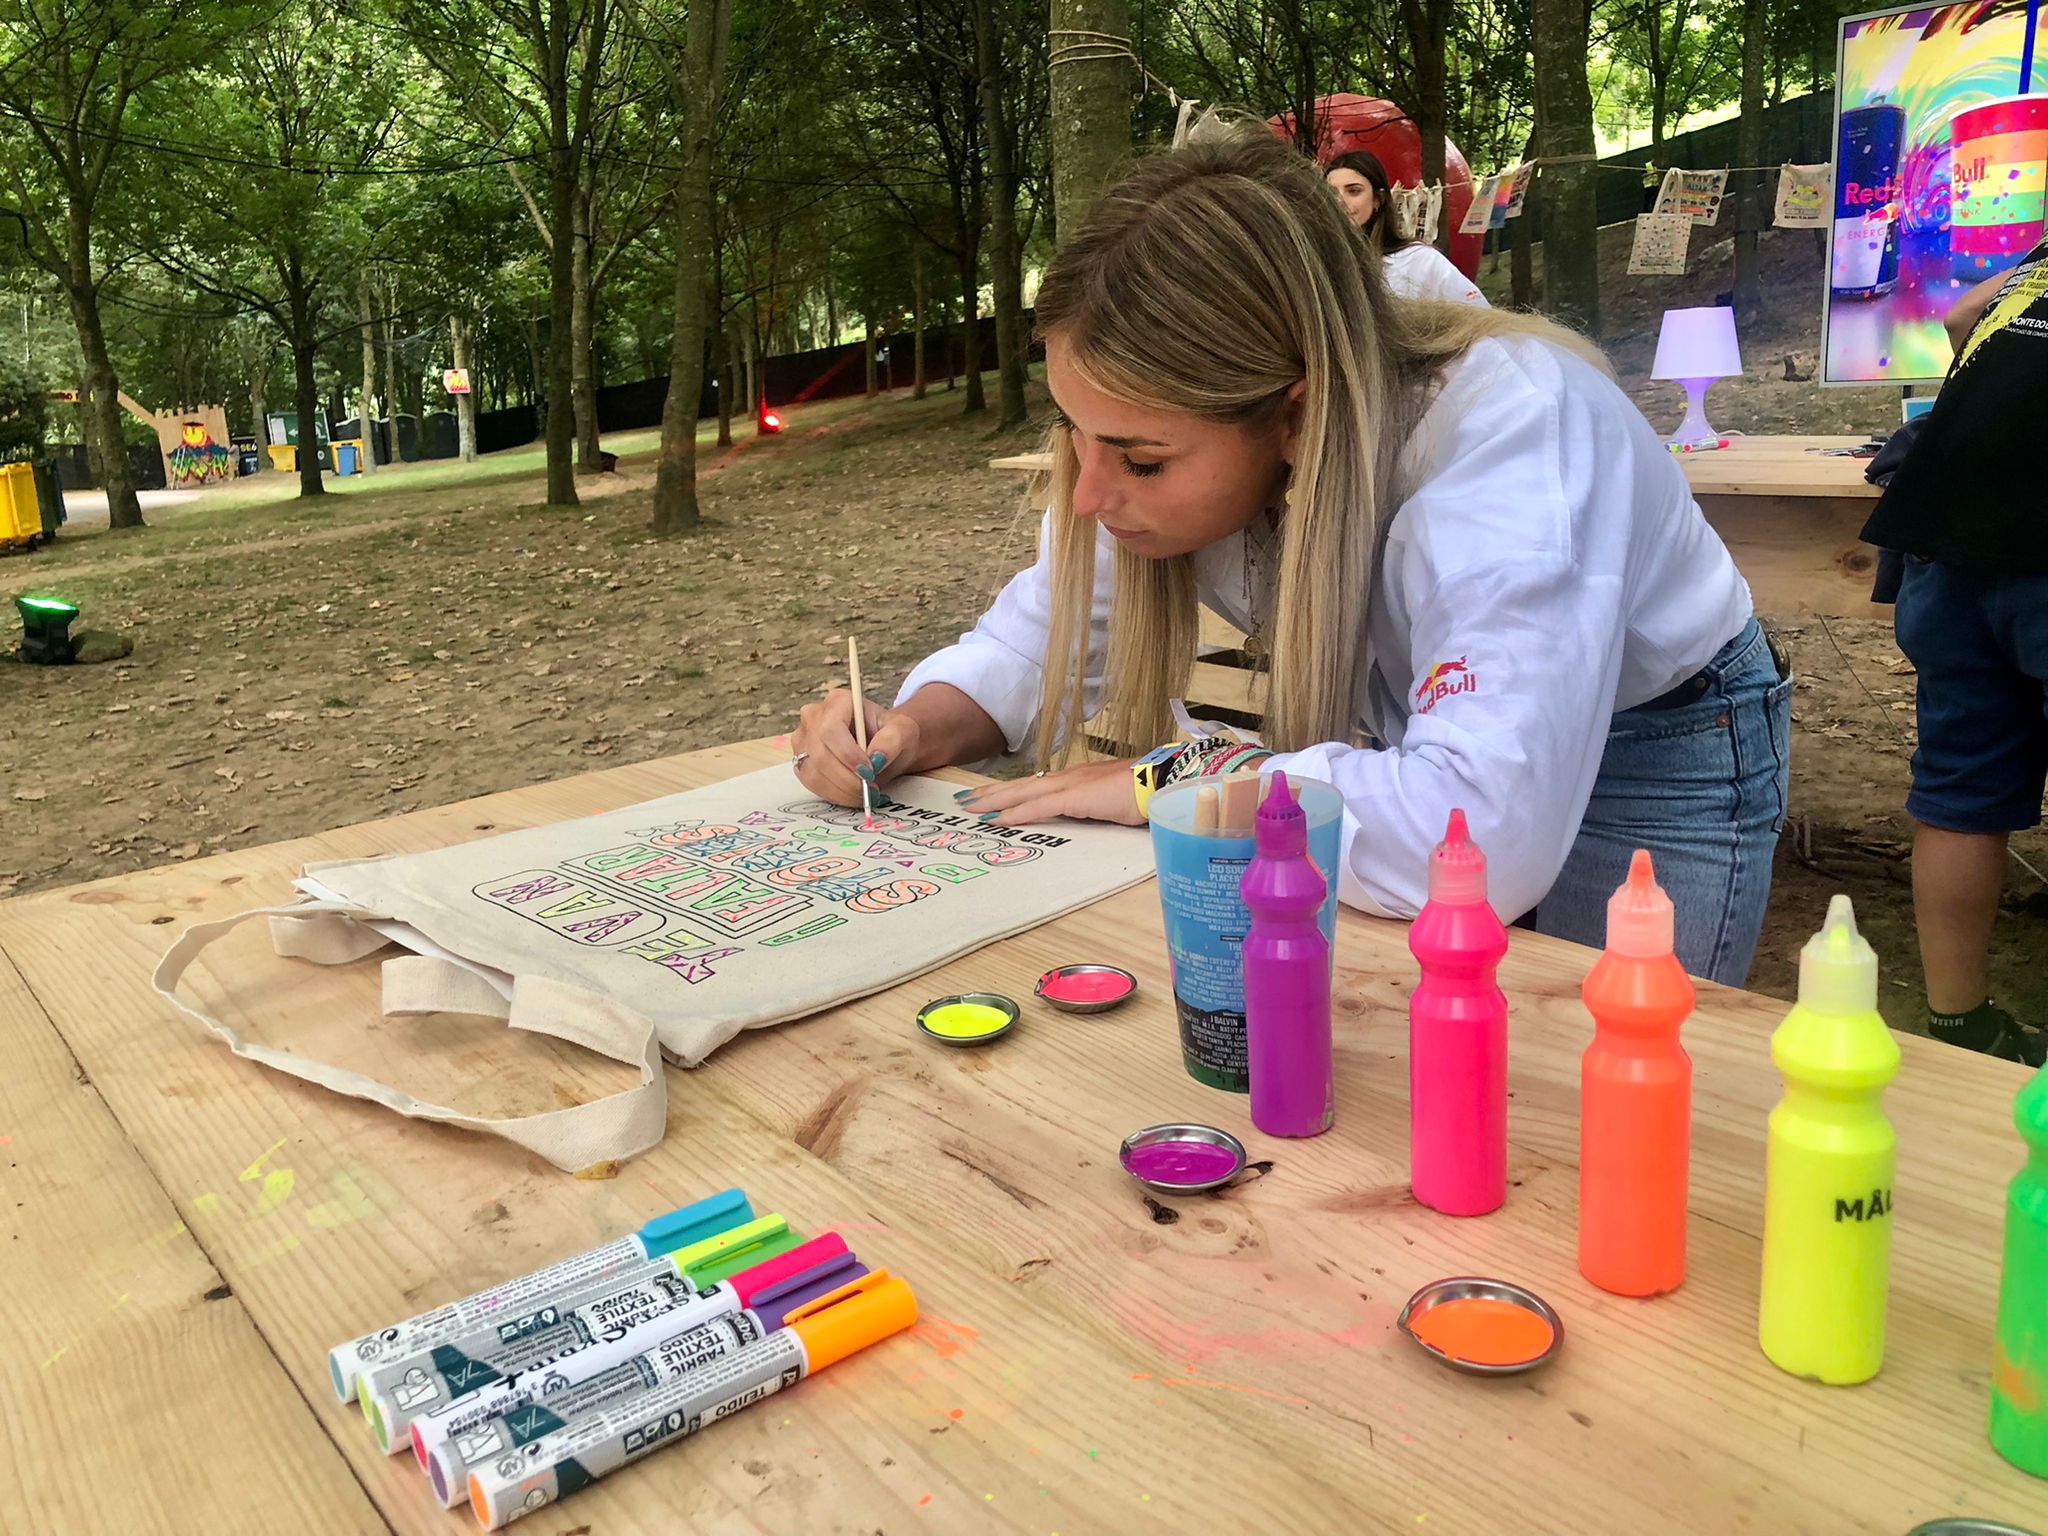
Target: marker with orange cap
820 1334
1635 1098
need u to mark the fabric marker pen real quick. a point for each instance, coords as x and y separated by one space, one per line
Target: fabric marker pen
761 1284
820 1334
396 1395
678 1229
485 1425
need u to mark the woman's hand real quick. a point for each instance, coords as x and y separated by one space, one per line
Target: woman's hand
830 763
1091 792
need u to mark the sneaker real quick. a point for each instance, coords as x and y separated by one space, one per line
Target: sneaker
2024 1043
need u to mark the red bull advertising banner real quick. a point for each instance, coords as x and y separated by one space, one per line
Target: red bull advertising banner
1941 168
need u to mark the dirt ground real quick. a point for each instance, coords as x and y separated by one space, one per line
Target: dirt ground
436 634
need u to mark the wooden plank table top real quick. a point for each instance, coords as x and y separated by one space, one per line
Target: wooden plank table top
1088 1359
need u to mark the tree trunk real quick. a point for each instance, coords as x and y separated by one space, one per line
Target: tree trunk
583 339
946 341
1091 110
1005 253
385 326
970 333
561 433
728 382
1427 23
259 407
750 364
366 418
102 401
675 475
867 349
465 405
1749 148
1521 257
1560 38
917 298
305 387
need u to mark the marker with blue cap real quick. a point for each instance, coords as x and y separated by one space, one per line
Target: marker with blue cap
680 1228
751 1306
396 1394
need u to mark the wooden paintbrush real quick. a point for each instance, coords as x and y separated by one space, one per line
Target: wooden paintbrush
860 728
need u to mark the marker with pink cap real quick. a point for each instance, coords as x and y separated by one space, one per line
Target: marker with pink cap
1458 1038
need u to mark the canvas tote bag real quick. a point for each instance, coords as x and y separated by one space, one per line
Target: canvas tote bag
669 927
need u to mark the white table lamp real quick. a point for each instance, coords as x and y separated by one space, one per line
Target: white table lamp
1696 347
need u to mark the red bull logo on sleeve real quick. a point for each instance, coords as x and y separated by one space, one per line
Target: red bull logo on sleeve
1442 681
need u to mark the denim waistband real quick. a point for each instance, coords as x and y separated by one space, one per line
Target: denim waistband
1730 659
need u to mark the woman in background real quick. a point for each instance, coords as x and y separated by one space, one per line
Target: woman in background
1414 270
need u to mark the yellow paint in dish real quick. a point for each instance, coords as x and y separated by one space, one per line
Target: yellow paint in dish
965 1021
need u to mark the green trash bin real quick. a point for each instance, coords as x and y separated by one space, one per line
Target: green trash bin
49 496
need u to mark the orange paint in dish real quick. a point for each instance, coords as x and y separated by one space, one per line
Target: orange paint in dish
1482 1331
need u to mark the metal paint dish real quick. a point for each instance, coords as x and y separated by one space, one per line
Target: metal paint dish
1967 1525
971 1018
1182 1159
1086 988
1485 1327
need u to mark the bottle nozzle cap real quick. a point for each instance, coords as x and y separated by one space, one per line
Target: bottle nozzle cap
1280 830
1640 922
1837 966
1457 870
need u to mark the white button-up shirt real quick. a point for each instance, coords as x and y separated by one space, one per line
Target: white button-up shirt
1547 568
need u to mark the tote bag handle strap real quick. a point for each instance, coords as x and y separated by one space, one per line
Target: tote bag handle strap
616 1127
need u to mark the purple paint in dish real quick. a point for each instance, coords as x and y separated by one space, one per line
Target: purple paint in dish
1180 1162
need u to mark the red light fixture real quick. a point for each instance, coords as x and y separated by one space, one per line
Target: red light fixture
767 422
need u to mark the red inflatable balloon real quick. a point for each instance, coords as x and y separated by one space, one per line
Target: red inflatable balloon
1346 122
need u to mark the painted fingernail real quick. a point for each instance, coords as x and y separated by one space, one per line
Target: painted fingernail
962 796
865 772
988 816
878 762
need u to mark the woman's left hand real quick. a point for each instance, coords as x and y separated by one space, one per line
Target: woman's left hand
1091 792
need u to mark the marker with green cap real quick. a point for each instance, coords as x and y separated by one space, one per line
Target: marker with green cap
2019 1371
395 1395
680 1228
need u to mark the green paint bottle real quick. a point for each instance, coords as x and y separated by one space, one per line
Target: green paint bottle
2019 1374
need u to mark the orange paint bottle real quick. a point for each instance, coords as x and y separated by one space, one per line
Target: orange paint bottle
1635 1098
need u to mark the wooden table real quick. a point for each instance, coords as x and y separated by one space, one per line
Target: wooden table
187 1234
1790 516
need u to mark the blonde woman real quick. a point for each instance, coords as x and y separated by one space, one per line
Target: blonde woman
1475 568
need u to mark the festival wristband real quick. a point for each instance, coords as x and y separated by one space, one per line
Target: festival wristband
1154 771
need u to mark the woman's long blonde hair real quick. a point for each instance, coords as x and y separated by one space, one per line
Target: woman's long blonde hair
1210 281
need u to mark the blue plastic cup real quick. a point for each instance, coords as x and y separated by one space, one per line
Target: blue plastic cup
1206 920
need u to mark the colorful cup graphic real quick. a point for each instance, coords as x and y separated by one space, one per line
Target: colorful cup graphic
1206 920
1998 176
1868 197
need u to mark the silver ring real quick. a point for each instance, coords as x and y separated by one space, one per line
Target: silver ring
798 760
1040 774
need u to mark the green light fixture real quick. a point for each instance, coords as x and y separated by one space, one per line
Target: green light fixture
46 630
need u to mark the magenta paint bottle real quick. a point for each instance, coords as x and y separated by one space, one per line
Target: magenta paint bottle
1458 1038
1287 974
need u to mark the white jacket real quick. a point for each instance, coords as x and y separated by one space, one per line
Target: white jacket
1419 271
1548 568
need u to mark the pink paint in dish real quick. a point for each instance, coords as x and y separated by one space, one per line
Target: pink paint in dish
1086 988
1182 1158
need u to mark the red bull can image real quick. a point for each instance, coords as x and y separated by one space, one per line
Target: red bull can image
1869 194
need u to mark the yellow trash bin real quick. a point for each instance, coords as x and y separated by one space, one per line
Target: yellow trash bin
21 520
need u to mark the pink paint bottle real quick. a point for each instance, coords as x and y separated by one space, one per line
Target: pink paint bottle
1287 974
1458 1038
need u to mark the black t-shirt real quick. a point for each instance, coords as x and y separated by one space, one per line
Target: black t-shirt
1972 492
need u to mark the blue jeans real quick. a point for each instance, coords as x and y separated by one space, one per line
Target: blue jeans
1979 643
1699 778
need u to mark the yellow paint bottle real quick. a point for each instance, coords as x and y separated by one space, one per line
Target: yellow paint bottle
1828 1181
